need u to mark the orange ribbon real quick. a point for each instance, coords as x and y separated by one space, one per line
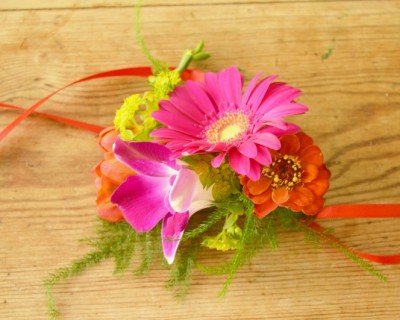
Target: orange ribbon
363 211
343 211
137 72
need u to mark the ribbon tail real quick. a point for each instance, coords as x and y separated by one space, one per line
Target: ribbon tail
360 211
68 121
137 72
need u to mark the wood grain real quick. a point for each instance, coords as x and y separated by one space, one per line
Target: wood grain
47 193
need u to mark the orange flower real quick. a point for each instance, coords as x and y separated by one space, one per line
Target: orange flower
109 173
297 178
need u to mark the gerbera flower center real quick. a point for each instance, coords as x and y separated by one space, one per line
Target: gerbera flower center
285 171
227 128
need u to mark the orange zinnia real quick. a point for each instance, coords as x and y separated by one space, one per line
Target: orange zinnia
297 178
109 173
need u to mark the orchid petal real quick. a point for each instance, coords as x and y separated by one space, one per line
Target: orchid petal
141 200
203 198
198 205
183 190
128 152
152 168
172 230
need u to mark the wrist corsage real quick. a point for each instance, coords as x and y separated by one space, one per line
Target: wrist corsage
206 161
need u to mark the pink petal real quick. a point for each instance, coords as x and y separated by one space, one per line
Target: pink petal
211 83
278 94
230 85
216 162
250 88
181 99
129 152
263 156
248 149
255 171
267 140
202 100
239 162
166 133
259 92
176 120
285 110
290 128
152 168
183 190
266 122
141 200
171 233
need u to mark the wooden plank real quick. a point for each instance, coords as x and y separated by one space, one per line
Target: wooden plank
47 193
83 4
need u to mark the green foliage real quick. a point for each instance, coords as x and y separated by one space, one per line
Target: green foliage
150 247
192 55
156 64
121 242
241 253
113 240
76 267
220 212
182 269
290 221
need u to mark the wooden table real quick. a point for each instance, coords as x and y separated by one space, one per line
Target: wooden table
344 55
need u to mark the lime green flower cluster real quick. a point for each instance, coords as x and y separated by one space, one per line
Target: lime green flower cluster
133 120
228 238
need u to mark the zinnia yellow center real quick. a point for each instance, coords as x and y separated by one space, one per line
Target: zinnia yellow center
228 128
285 171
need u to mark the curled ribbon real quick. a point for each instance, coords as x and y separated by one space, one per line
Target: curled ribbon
343 211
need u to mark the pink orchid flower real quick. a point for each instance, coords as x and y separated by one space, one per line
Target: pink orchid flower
162 189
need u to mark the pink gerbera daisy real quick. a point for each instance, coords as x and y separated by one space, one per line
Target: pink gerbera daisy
215 117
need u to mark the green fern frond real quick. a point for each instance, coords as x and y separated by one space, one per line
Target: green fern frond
238 258
113 240
213 218
150 241
74 269
182 269
323 234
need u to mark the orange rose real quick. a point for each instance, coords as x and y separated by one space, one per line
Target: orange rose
109 173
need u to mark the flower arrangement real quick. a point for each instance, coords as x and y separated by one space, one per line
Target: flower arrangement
202 161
